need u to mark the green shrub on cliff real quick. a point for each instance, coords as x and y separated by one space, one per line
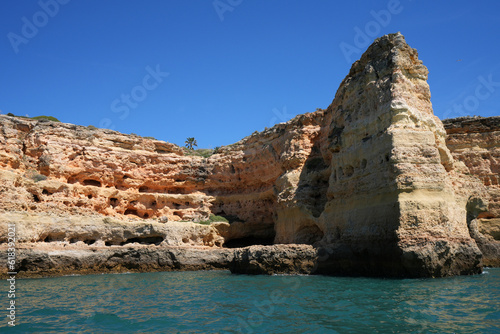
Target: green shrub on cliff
42 117
213 219
201 152
49 118
205 153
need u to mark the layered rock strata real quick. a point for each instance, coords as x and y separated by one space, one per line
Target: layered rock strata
475 141
391 206
369 183
274 260
57 261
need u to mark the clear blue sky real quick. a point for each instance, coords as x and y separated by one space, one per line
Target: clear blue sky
223 69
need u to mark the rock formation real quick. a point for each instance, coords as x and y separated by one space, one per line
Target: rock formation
387 175
276 259
368 186
475 141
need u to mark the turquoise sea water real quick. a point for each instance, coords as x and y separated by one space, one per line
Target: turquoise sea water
219 302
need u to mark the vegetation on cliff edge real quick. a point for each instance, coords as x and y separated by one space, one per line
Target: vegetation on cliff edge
41 117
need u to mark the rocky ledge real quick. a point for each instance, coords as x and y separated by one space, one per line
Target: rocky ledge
371 186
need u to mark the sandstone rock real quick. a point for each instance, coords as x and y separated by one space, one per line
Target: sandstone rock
475 142
42 262
485 233
384 177
490 227
88 230
369 182
273 260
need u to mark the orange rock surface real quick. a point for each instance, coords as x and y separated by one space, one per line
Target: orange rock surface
475 141
371 182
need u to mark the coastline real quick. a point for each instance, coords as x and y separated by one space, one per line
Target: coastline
371 186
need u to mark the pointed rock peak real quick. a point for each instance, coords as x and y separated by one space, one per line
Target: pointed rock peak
388 53
388 70
391 40
387 45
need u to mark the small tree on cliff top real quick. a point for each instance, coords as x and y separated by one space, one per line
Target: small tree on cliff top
190 142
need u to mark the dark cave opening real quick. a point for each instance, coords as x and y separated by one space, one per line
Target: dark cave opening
113 201
248 241
144 240
90 182
54 237
131 212
87 241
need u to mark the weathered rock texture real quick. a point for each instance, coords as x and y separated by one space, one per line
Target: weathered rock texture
369 182
475 141
58 260
276 259
99 231
391 207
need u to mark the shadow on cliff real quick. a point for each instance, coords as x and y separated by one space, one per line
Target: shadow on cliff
371 251
311 193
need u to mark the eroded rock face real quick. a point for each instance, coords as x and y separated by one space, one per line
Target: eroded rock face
99 231
57 260
96 171
475 142
369 182
275 260
384 176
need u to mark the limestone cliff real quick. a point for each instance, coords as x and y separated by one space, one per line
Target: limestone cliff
475 141
369 182
386 176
